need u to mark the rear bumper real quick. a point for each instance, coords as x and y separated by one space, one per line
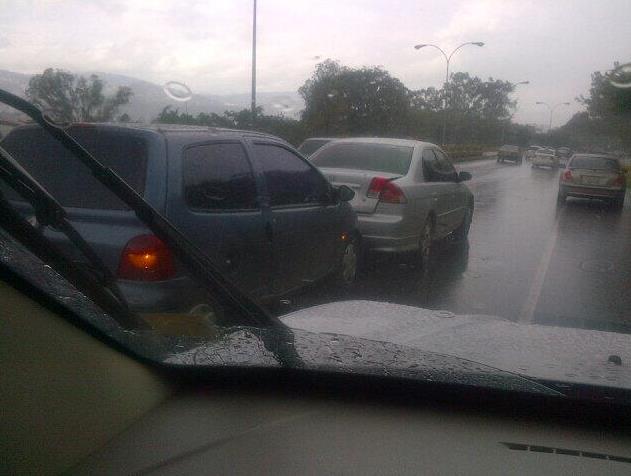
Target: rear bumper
590 192
174 295
387 234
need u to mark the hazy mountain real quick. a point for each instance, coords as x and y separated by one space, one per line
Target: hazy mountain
149 98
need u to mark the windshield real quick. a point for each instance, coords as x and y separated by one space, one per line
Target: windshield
448 177
309 146
595 163
360 156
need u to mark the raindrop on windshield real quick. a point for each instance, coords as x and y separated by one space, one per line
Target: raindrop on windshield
178 91
283 104
621 76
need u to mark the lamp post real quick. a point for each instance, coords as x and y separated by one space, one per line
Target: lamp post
511 116
551 109
447 60
254 62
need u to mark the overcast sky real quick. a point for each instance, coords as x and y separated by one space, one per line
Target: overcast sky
555 44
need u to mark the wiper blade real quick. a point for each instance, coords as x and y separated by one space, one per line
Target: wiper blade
17 226
200 266
49 212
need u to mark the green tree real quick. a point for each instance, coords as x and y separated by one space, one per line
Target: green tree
347 101
68 98
289 129
605 125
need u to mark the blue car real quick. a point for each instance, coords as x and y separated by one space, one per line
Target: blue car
246 199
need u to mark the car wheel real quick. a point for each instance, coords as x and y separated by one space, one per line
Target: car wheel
618 202
561 198
425 243
462 232
347 271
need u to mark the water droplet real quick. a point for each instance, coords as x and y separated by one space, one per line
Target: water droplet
621 76
178 91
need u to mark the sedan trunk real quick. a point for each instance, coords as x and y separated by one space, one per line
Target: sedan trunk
359 182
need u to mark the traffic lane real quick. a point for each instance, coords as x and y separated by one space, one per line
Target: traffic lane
587 282
489 276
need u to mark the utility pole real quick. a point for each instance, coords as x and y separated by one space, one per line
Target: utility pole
254 63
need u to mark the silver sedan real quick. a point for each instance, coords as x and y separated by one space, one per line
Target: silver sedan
407 193
593 176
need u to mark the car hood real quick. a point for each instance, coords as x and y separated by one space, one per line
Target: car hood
544 353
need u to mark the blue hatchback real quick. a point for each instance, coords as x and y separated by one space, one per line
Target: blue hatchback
252 203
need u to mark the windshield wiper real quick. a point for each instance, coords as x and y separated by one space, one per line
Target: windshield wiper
102 294
48 212
200 266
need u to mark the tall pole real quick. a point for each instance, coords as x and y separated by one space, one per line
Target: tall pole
551 109
444 133
447 61
254 63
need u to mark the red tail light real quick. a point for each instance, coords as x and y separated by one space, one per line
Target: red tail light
567 176
619 181
146 258
385 190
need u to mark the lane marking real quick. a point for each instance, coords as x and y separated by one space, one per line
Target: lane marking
528 309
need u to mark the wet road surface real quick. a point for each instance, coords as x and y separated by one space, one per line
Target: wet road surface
527 260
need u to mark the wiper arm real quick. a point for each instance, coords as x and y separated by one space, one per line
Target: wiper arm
49 212
200 266
16 225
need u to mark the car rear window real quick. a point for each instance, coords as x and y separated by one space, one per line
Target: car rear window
595 163
66 178
309 146
387 158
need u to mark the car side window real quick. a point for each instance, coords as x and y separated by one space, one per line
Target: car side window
218 177
444 165
290 180
429 164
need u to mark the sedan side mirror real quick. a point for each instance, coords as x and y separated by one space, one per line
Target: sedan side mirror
464 176
345 193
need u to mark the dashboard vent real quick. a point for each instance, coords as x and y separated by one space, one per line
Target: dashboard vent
563 451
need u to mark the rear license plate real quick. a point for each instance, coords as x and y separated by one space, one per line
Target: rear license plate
587 180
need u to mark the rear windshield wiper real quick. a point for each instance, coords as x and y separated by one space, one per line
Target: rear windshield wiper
241 307
48 212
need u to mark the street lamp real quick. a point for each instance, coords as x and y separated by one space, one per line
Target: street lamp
254 63
447 60
551 109
511 116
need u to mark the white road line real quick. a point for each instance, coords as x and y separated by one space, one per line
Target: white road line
528 309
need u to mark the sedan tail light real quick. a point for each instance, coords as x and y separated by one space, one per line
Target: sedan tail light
567 176
146 258
385 191
619 181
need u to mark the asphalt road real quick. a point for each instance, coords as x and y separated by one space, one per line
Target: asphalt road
527 260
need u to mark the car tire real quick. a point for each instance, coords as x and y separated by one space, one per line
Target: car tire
618 202
561 199
462 232
349 263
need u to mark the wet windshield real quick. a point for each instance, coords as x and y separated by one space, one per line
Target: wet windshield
450 178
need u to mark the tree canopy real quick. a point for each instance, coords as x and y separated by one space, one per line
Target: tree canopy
68 98
345 101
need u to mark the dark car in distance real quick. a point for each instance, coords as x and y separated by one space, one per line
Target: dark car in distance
512 153
264 215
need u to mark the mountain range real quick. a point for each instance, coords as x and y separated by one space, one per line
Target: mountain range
149 98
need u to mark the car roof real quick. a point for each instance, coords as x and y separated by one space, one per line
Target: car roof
384 140
179 131
322 138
